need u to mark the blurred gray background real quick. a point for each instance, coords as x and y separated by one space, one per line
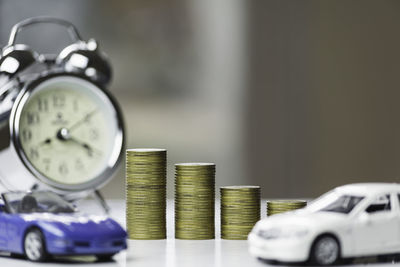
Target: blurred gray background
295 96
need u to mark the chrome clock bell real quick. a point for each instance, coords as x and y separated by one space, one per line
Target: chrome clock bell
64 130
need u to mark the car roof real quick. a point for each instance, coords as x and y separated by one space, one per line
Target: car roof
368 189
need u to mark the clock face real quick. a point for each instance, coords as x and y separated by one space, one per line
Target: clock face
68 131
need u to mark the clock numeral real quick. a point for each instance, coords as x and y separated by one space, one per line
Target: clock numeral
79 165
43 104
76 105
32 118
63 169
93 134
87 119
26 135
47 162
59 101
33 154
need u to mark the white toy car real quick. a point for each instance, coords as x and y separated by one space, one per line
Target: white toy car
350 221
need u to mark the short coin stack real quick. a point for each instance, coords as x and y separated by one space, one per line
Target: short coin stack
240 210
146 193
194 201
284 205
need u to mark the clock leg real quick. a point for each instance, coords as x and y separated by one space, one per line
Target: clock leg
99 197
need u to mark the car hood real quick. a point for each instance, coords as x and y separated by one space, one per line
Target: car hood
303 218
81 225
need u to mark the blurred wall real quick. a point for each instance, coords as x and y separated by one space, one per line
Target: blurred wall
296 96
323 94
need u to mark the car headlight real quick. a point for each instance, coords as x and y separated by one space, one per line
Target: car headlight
62 242
275 233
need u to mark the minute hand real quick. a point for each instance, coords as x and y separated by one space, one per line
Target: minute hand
78 123
86 146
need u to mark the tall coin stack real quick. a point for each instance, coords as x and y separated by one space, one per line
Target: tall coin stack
284 205
240 210
146 193
194 201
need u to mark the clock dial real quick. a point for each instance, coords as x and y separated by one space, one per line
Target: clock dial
68 130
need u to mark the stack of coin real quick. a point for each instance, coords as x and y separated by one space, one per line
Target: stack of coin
146 193
194 201
284 205
240 210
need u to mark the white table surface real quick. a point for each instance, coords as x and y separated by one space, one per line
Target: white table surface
169 252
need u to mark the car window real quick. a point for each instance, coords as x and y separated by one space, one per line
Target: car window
342 204
37 201
381 203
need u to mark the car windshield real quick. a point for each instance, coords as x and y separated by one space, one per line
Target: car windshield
335 202
39 201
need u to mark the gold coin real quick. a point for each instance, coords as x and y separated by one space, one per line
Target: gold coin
194 200
240 210
284 205
146 193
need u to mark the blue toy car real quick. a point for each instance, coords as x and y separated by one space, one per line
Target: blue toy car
40 224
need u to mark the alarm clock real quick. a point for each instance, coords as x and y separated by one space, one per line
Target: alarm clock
61 129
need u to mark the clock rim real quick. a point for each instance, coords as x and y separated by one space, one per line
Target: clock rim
95 183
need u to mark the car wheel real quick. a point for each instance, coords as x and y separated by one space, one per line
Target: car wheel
105 257
34 246
325 251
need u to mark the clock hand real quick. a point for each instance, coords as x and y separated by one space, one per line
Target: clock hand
87 116
64 135
86 146
47 141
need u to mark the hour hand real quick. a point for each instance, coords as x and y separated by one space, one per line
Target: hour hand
47 141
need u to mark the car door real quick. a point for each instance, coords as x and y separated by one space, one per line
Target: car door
3 229
10 231
375 229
